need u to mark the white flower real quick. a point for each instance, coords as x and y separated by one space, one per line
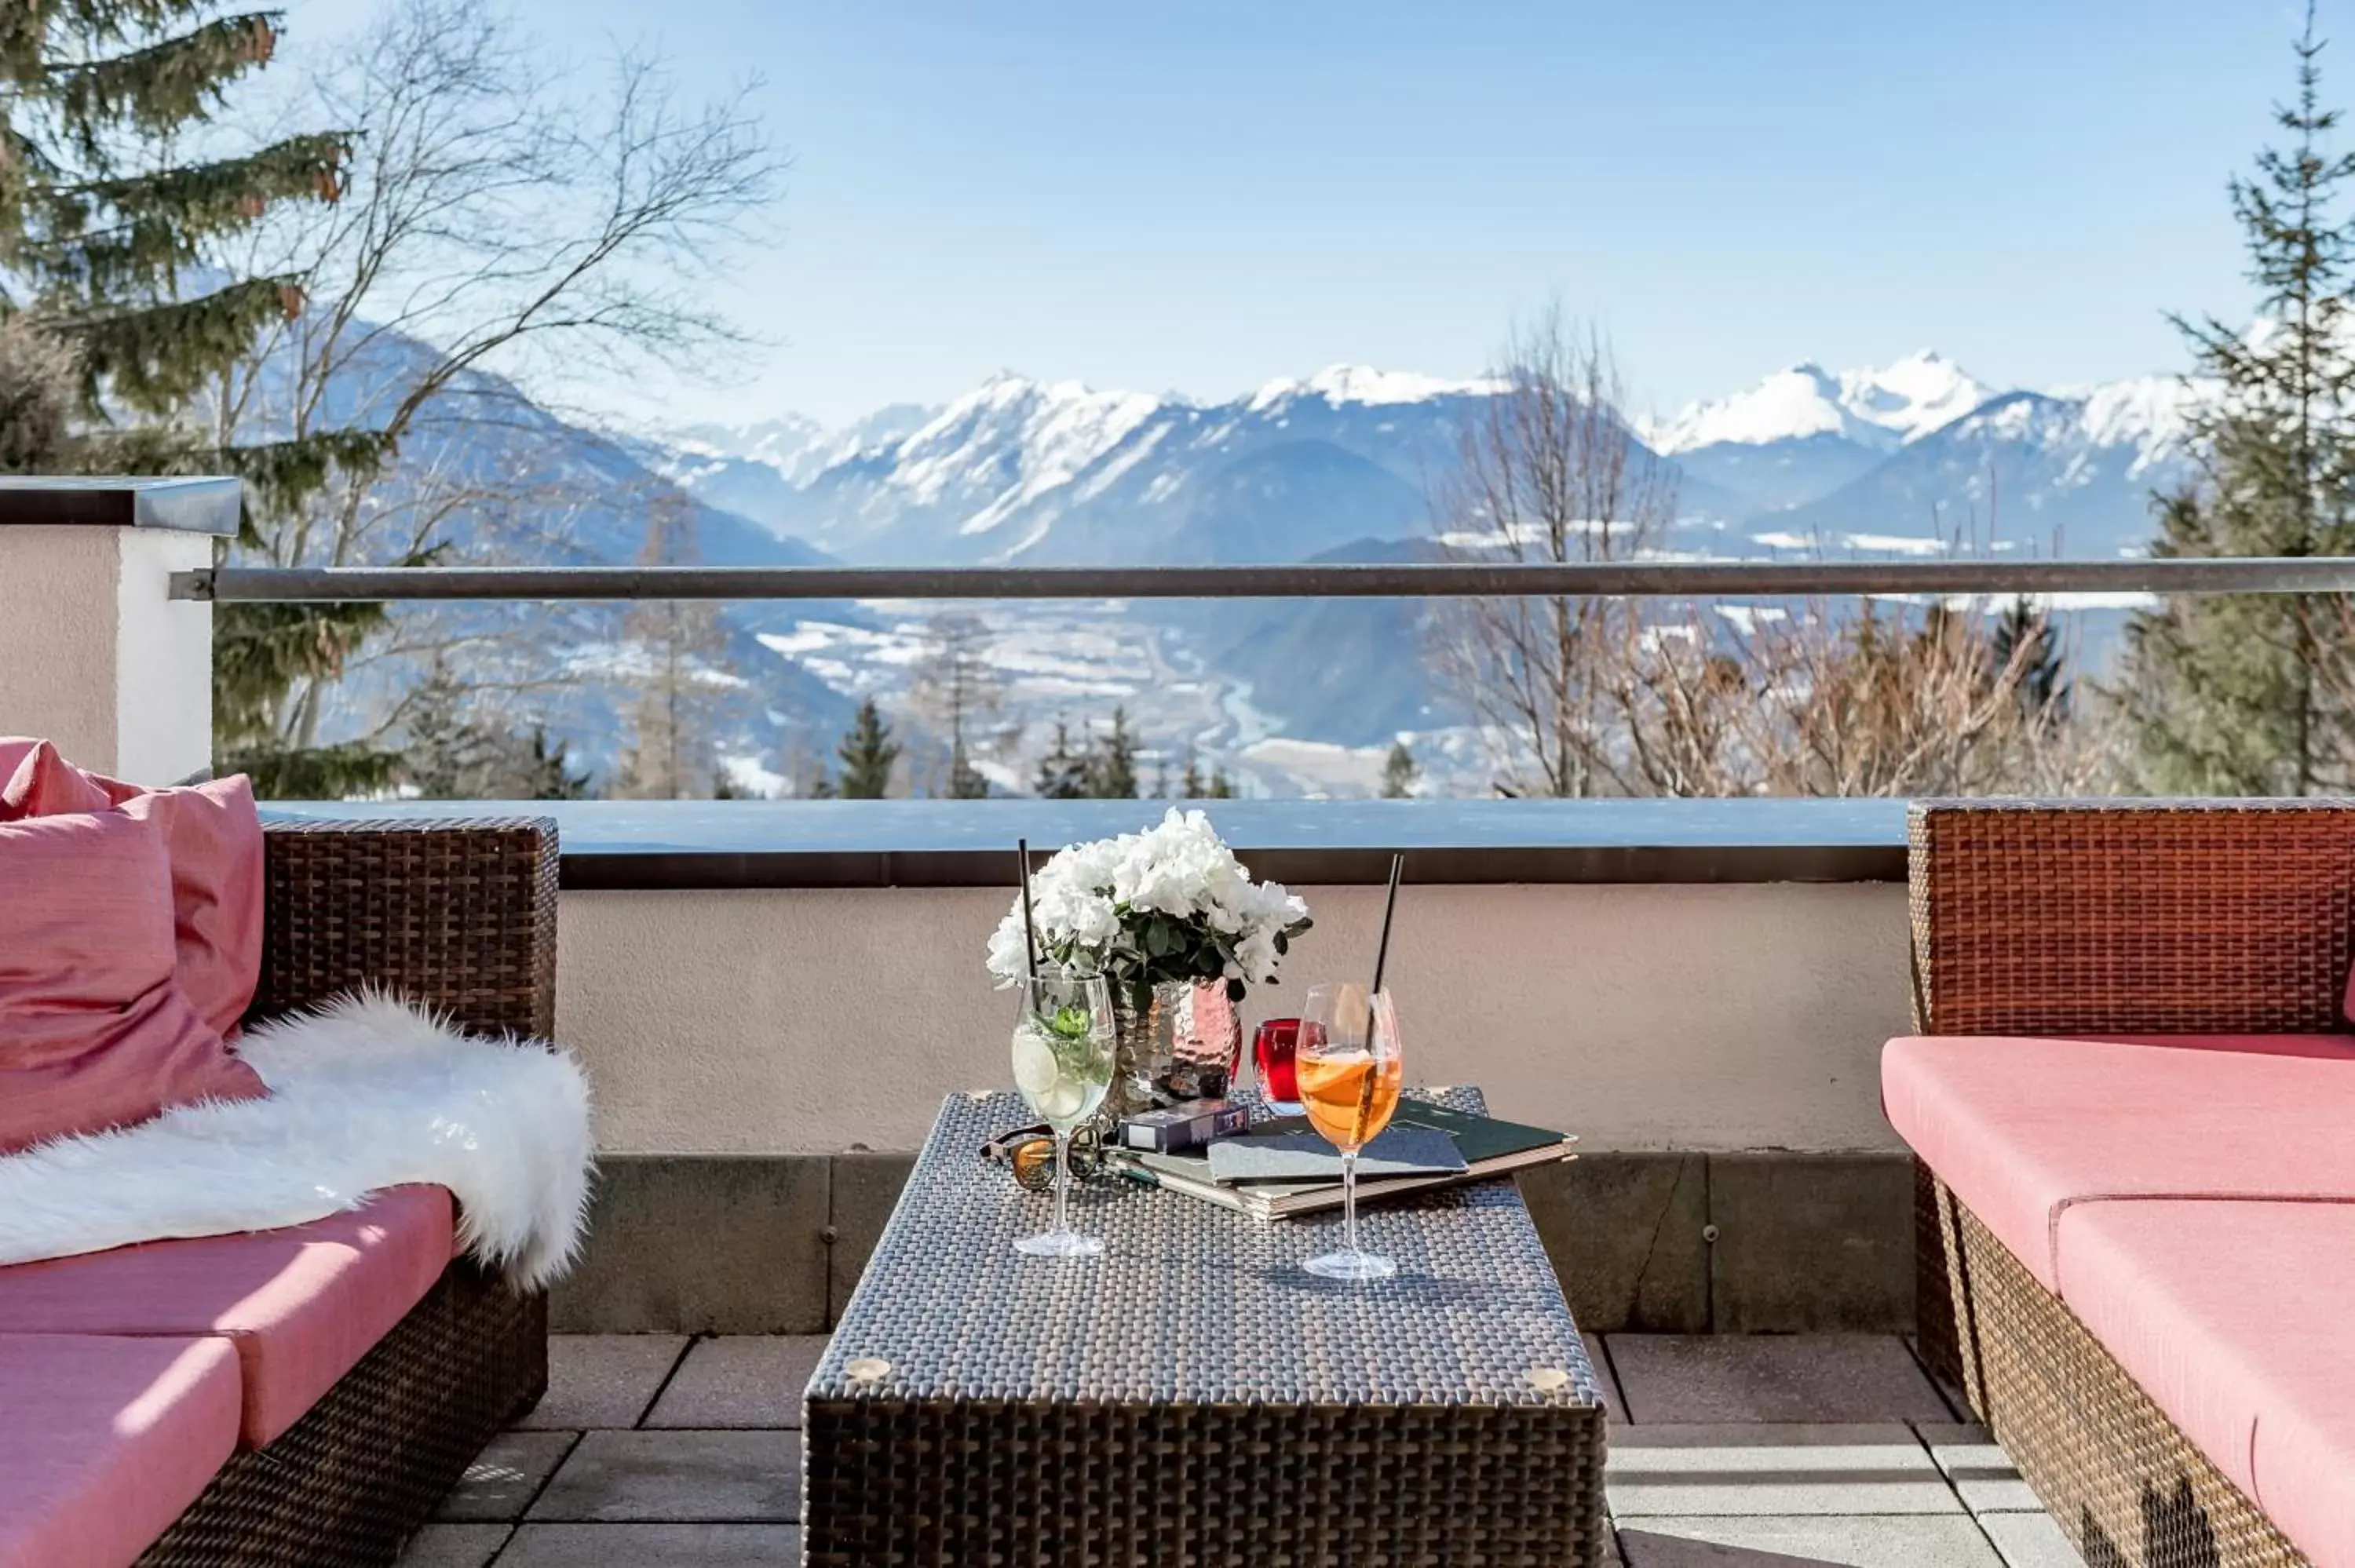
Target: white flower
1093 902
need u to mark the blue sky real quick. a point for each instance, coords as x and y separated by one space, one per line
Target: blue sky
1202 196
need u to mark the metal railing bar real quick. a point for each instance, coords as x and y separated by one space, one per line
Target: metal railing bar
1441 580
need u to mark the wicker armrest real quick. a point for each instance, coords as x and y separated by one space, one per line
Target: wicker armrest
459 915
2153 917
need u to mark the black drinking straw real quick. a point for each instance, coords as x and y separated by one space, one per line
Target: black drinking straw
1030 930
1373 1070
1389 908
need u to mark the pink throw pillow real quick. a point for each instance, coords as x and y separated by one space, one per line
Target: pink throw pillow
95 1031
213 836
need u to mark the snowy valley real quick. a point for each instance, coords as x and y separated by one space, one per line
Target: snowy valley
1915 457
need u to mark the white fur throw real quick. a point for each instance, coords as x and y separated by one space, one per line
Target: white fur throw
365 1093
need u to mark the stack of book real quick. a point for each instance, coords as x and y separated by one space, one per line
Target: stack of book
1283 1167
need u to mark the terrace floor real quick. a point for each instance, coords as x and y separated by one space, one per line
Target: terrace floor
1725 1452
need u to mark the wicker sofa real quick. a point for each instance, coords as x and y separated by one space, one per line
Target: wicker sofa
458 916
2132 1097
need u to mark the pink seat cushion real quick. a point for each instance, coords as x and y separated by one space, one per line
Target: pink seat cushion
2233 1317
302 1305
95 1031
2023 1129
212 836
106 1442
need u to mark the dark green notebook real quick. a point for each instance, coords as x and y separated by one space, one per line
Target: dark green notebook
1489 1147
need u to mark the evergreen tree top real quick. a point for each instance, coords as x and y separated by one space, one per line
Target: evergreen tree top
101 227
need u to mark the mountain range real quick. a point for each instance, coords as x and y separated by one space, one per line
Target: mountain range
1901 458
1338 465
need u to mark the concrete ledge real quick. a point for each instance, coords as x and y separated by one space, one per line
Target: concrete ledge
194 505
1676 1243
641 845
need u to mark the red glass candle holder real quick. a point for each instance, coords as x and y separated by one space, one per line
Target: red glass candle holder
1273 1046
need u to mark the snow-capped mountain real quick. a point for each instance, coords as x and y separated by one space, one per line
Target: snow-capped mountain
1058 471
2059 475
1341 464
1805 431
1877 409
1045 472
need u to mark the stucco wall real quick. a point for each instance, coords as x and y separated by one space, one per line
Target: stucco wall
57 589
95 657
1642 1017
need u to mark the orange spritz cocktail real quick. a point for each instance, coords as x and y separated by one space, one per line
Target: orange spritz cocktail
1349 1096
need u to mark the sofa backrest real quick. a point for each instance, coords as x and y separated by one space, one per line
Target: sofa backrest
458 916
2146 917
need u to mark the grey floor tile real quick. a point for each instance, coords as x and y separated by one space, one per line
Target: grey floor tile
1782 1377
2031 1540
454 1545
682 1477
641 1545
739 1380
1956 1399
1758 1468
1852 1542
1978 1467
1611 1403
602 1379
507 1475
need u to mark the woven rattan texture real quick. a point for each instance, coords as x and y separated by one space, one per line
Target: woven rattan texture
346 1485
461 918
2151 918
1193 1396
460 915
2119 1478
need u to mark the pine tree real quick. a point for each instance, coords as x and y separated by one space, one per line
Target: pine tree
2243 695
103 230
675 641
1109 771
1062 772
452 754
1399 772
1220 788
867 752
954 687
102 226
1190 787
966 782
2024 633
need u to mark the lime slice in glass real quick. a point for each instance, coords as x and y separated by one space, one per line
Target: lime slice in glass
1034 1067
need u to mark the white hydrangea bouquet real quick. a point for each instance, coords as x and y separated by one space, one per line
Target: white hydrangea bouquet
1169 906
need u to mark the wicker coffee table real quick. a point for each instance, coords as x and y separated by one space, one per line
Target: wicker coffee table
1193 1396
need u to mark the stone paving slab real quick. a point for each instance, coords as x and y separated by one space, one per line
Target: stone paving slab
455 1545
678 1477
1615 1406
507 1475
1979 1468
740 1382
1852 1542
602 1379
2031 1540
1787 1377
1752 1468
647 1546
1956 1399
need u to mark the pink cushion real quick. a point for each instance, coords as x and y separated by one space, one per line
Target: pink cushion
301 1304
95 1031
213 837
2022 1130
106 1442
2233 1317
